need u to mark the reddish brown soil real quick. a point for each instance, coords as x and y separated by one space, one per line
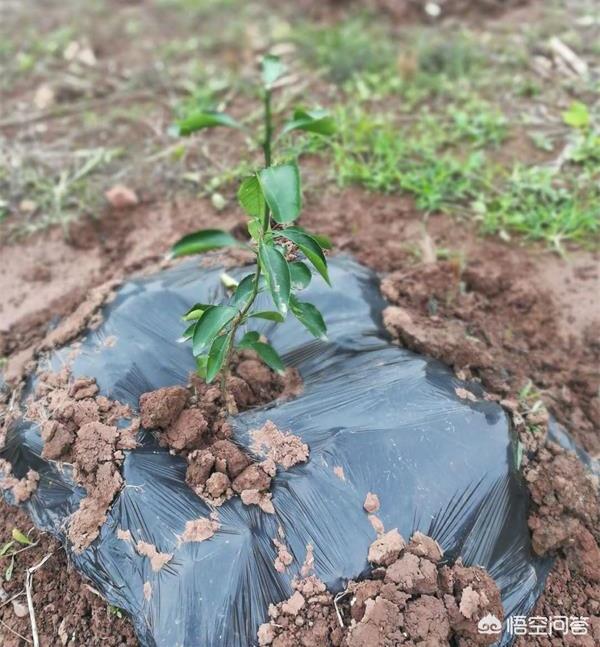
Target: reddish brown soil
68 611
410 10
193 422
411 599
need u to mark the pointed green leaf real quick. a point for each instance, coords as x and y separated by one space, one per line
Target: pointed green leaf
270 315
255 229
277 274
201 364
244 290
9 571
313 121
188 333
309 247
195 312
310 317
17 535
300 275
324 241
203 241
251 337
281 189
251 197
203 119
217 355
209 325
269 356
272 69
6 547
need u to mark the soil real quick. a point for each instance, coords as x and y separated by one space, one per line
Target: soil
412 598
193 423
68 610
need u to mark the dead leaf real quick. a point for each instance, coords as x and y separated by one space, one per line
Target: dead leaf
20 609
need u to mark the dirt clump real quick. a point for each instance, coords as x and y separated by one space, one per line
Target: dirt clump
21 488
386 548
79 426
283 448
157 559
200 529
562 518
161 408
413 599
371 503
193 422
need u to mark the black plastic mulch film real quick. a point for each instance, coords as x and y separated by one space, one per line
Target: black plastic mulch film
389 418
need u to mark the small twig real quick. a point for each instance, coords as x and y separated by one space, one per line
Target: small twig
14 597
16 633
16 552
29 591
339 596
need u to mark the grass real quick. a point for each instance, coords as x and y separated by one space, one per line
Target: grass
46 194
432 111
446 162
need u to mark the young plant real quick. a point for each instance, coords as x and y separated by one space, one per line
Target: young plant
271 198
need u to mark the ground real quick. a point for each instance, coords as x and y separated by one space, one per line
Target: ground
467 158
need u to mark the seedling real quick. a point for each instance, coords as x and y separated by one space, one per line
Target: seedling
271 199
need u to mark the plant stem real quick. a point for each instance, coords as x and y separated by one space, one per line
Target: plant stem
239 318
268 128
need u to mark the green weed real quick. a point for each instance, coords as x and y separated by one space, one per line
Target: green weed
346 49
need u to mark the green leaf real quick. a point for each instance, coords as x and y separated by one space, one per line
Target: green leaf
9 571
203 241
17 535
251 198
324 241
217 355
269 356
310 317
300 275
277 274
270 315
188 333
577 115
272 69
209 326
196 311
255 229
6 547
251 337
200 119
244 290
310 248
281 189
312 121
201 364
